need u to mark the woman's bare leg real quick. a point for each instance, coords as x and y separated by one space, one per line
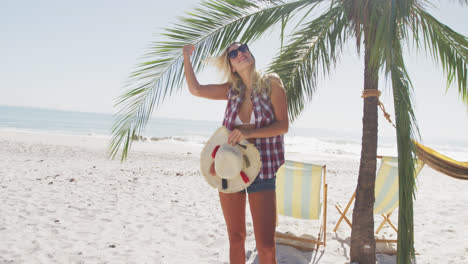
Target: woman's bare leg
263 210
233 205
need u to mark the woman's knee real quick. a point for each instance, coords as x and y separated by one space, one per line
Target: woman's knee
236 237
265 243
266 251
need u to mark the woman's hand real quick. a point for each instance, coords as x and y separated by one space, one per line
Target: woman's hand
188 50
237 135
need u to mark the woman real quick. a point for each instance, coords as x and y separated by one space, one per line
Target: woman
256 111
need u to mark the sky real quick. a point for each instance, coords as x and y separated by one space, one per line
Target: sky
76 55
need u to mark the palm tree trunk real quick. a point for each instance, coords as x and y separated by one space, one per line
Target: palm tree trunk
362 234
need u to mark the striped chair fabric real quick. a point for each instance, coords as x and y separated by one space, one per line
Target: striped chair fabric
298 191
299 187
386 185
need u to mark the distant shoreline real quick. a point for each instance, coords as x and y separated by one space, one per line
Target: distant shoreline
100 124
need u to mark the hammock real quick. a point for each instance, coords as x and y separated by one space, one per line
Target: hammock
441 163
432 158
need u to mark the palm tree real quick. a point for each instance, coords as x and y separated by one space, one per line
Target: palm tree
313 48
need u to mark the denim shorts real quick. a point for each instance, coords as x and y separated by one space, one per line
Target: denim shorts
259 185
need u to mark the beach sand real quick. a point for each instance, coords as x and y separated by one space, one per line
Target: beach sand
64 201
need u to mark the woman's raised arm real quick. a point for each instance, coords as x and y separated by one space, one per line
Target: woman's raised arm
210 91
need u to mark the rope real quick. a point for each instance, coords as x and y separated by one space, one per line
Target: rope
377 93
387 115
370 93
435 160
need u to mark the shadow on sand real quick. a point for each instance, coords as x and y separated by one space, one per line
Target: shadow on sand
290 255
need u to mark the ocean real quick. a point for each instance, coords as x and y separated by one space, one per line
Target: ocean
301 141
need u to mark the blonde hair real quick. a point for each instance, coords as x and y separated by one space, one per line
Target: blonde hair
261 82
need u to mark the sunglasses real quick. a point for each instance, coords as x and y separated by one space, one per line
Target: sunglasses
242 48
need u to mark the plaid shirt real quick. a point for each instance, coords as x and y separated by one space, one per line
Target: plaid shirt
271 148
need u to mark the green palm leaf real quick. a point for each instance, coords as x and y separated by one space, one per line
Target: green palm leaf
390 28
446 46
405 126
406 130
211 27
312 50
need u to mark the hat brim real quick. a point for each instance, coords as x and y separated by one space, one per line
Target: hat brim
236 184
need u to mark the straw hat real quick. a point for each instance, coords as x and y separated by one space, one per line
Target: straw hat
236 166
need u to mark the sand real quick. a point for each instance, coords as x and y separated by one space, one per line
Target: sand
64 201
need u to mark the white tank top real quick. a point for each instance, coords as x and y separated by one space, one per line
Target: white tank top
238 122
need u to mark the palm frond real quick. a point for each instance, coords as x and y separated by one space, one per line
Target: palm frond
313 49
357 12
387 19
406 130
210 27
446 46
405 121
463 2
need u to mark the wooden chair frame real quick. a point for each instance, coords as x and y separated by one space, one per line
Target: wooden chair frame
386 218
382 224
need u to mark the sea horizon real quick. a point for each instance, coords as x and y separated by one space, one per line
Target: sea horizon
309 141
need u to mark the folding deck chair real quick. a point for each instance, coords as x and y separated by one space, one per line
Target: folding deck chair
298 187
386 194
